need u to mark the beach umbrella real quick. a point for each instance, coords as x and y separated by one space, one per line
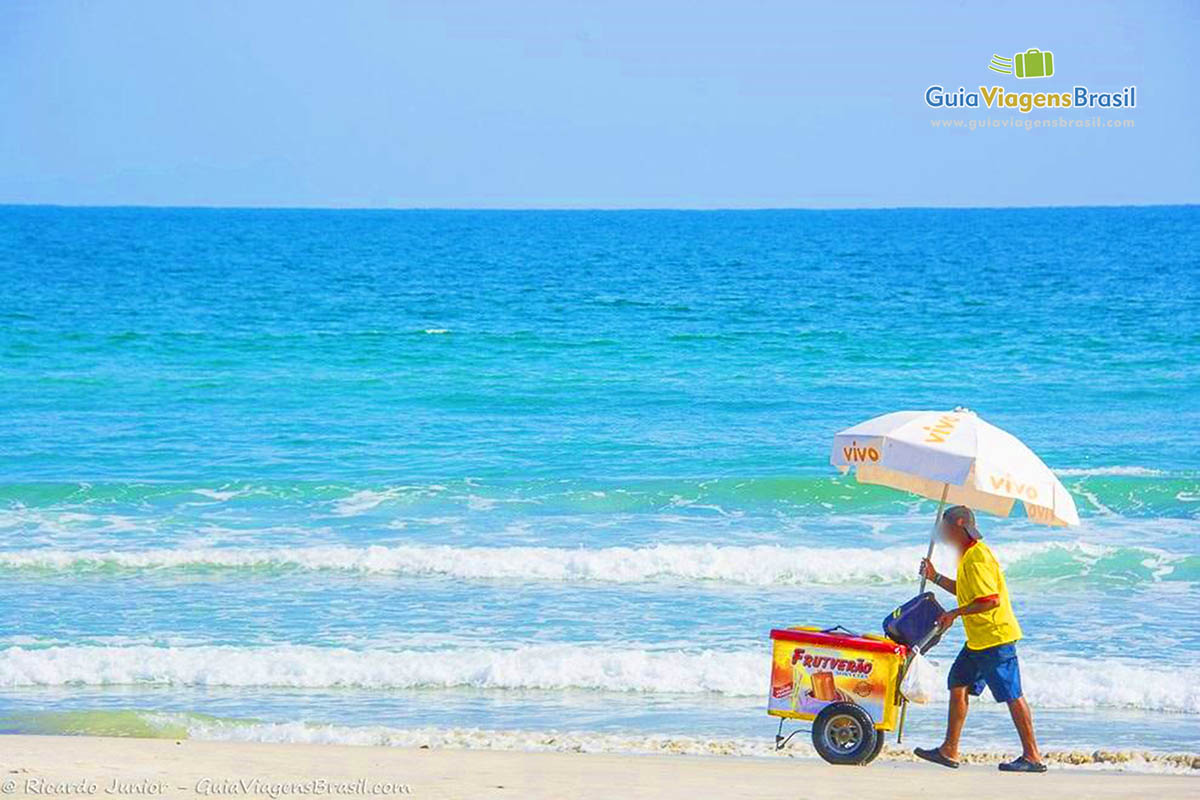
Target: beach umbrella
953 457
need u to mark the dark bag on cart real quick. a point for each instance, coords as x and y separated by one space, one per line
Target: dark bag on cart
912 622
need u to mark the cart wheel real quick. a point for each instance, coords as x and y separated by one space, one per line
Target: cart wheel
880 737
845 734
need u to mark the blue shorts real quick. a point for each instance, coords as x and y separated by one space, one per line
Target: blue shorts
996 666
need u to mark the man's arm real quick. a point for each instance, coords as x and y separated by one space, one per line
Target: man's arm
932 574
976 606
983 583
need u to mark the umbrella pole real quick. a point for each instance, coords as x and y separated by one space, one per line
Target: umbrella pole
928 555
933 533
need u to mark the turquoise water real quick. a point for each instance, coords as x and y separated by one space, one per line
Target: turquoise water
359 476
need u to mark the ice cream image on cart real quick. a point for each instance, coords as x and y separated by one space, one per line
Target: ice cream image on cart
813 689
847 684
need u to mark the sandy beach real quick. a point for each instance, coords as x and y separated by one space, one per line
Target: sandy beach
80 766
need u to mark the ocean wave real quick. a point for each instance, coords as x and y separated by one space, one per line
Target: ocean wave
204 727
301 666
755 565
1086 472
1132 491
1049 682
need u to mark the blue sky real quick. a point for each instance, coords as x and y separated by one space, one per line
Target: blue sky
563 104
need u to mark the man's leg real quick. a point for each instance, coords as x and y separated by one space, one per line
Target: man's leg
964 679
954 723
1022 717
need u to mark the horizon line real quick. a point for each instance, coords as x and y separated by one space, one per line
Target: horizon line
598 208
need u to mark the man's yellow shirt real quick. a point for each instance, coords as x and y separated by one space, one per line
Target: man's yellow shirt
979 575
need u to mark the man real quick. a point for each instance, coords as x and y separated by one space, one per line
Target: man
990 654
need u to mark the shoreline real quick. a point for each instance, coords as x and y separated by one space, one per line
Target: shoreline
86 766
175 726
674 745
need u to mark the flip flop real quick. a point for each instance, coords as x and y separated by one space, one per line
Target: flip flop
1022 764
935 755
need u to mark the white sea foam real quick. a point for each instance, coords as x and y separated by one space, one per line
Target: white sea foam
635 743
218 495
756 565
68 523
362 501
175 725
1087 472
1049 681
528 667
483 739
366 499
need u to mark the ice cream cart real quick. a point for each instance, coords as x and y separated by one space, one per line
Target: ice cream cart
847 685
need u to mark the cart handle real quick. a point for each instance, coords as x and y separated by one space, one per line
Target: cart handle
840 628
937 631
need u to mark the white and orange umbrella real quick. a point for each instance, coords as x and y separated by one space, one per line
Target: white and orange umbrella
954 457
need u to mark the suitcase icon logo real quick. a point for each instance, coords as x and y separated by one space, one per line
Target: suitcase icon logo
1033 63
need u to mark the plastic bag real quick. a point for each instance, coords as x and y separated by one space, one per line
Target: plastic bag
920 680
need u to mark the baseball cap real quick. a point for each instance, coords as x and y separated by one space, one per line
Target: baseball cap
965 517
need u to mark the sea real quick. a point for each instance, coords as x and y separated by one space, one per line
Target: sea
547 479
